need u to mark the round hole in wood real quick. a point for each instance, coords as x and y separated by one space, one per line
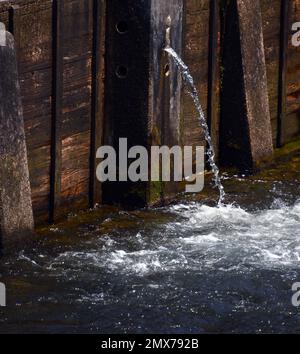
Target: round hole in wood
122 72
122 27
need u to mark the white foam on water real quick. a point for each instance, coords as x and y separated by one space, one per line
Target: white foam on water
202 238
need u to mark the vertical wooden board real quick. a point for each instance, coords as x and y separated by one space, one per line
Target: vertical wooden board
56 119
77 35
164 116
255 79
214 72
246 137
196 54
31 23
282 81
293 78
97 97
127 88
271 29
165 91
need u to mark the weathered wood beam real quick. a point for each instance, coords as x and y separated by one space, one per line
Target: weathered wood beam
97 104
213 72
165 108
143 87
282 82
246 136
57 96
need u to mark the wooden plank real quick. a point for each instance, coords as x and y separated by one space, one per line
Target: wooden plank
284 34
165 103
195 53
77 99
143 104
97 113
213 72
31 24
56 142
246 135
271 31
126 80
292 124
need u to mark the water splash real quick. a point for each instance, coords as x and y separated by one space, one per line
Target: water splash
193 92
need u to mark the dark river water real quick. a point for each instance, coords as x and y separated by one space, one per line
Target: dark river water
188 268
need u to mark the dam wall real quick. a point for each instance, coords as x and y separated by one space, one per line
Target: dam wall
65 70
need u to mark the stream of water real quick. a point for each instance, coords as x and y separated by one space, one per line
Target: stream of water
193 92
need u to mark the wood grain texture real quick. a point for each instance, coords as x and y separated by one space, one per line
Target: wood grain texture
271 30
196 53
292 126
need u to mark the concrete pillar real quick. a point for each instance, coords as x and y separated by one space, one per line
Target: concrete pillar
16 215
